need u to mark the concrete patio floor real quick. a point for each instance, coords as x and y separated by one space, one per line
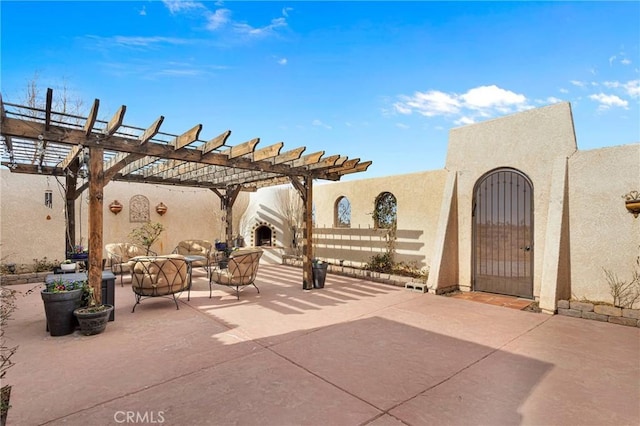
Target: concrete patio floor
353 353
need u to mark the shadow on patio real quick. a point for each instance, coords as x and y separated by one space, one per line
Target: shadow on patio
352 353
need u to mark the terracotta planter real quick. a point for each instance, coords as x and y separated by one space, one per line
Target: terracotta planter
115 207
633 206
161 209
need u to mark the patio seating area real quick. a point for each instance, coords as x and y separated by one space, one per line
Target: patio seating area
353 353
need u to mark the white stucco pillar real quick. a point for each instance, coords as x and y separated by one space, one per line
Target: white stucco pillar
556 276
443 271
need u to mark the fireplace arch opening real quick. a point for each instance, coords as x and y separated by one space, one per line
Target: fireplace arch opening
263 236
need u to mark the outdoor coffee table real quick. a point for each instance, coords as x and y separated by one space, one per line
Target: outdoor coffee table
190 259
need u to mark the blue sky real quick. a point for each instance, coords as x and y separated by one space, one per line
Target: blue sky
381 81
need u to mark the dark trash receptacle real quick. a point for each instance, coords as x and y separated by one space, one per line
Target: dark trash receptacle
319 274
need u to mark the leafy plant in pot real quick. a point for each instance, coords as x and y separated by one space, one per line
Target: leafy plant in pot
92 317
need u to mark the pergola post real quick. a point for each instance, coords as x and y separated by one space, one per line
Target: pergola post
70 208
226 203
306 193
96 186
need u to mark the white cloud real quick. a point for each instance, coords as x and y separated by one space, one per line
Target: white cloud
611 59
553 100
402 126
608 101
176 6
633 88
429 104
143 11
319 123
630 88
563 90
221 18
282 61
578 83
493 97
244 28
218 19
463 121
479 102
142 41
625 61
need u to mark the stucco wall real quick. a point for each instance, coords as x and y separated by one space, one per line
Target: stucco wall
418 196
27 234
529 141
28 229
603 233
580 223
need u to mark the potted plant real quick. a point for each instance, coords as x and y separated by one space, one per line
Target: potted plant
60 297
78 253
147 234
68 265
92 317
319 273
223 261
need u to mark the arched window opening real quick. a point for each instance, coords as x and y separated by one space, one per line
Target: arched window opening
342 213
385 211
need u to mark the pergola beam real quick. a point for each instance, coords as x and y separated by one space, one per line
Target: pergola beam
155 158
72 155
187 137
116 121
91 119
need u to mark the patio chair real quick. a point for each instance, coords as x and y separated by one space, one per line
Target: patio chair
158 276
241 271
119 255
196 247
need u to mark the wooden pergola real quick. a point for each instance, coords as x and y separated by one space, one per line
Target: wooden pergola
54 143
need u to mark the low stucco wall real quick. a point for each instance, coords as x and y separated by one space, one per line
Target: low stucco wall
418 196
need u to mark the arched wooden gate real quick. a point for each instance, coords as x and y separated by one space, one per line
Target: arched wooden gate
503 233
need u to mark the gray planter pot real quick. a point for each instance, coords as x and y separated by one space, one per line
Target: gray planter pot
58 308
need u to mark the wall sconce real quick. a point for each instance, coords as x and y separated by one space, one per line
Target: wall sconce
161 209
632 202
115 207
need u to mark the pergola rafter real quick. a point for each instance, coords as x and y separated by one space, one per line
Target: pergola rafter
47 142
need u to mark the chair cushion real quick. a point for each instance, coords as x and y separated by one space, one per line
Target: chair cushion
241 268
158 275
195 247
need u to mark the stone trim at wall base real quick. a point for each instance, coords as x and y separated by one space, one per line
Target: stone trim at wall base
347 271
603 313
15 279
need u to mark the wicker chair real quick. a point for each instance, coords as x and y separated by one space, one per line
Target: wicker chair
119 255
196 247
158 276
241 270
